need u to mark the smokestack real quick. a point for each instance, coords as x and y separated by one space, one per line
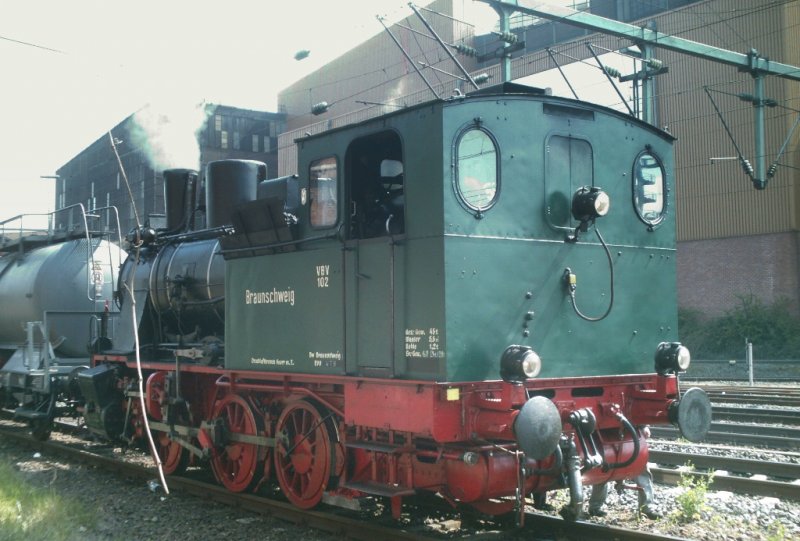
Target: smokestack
229 183
180 186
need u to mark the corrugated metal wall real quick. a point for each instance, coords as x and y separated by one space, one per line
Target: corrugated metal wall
715 199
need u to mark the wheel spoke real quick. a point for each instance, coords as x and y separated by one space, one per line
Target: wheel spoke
303 462
174 458
235 466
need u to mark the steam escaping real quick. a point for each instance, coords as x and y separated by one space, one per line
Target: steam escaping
167 133
395 96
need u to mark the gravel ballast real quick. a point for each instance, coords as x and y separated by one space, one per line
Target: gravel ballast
128 510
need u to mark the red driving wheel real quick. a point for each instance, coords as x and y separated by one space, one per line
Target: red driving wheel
174 458
303 454
236 463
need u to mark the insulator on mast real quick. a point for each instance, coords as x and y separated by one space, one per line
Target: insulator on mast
772 170
466 50
319 108
748 167
654 63
508 37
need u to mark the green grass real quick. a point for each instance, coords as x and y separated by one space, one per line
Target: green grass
692 500
32 513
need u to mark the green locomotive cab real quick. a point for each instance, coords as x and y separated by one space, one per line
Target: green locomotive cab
430 240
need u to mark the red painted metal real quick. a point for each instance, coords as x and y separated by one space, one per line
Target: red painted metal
156 395
404 436
174 458
304 454
235 466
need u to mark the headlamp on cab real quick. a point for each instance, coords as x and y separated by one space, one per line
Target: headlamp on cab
671 358
590 203
519 363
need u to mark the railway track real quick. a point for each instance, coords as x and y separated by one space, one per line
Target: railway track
538 527
750 424
754 477
339 525
758 394
750 435
747 415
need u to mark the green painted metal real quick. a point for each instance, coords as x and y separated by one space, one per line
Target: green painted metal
442 300
284 312
513 252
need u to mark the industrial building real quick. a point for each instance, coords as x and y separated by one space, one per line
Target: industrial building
211 132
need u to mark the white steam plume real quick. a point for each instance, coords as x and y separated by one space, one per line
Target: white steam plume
167 133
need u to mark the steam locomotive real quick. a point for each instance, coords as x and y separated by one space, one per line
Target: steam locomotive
473 297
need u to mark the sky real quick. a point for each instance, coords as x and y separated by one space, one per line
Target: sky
85 65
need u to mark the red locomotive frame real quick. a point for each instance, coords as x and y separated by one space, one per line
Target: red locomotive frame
335 438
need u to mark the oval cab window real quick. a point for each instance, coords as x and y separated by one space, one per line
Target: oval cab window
649 188
476 170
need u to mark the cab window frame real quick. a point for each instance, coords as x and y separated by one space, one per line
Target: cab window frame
316 210
637 188
458 169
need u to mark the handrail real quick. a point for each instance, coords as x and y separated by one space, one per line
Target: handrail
50 232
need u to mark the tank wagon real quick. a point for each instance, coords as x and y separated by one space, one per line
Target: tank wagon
56 292
473 297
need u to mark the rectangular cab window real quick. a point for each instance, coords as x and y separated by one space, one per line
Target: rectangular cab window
323 190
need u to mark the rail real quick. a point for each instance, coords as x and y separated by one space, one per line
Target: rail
730 473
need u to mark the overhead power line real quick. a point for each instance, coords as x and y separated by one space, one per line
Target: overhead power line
28 44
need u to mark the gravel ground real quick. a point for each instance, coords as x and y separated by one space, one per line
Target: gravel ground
727 517
130 511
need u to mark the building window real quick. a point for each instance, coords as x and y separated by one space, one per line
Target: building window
267 144
218 122
255 143
323 190
236 144
223 139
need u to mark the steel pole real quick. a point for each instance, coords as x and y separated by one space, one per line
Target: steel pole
760 180
505 26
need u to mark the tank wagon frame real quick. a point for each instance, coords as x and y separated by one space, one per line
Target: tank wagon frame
56 284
